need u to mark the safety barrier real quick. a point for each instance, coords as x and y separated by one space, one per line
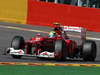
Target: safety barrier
42 13
13 11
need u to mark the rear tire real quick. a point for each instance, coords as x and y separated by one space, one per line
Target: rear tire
18 43
60 50
89 50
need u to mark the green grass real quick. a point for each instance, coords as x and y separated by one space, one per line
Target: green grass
48 70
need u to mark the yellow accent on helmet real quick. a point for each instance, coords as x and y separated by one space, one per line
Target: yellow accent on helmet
56 23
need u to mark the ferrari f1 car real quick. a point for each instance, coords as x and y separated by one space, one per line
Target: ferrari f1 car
59 47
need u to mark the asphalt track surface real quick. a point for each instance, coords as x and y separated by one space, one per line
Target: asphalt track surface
9 30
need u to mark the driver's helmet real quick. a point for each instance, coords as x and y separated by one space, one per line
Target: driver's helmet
38 34
52 34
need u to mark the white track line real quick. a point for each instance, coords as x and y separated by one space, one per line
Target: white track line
26 29
90 38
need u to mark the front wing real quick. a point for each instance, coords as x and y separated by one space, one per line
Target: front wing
21 52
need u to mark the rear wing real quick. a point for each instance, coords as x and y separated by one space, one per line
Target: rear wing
81 30
73 29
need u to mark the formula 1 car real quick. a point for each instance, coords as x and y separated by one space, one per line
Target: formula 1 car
57 47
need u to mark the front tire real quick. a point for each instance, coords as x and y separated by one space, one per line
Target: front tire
60 50
17 56
89 50
18 43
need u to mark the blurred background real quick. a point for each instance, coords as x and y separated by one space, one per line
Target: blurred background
81 3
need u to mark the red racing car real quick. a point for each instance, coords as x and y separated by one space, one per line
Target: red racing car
59 47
